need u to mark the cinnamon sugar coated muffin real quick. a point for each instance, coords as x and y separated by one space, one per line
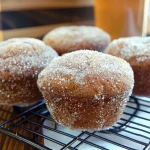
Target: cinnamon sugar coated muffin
71 38
86 89
136 51
21 60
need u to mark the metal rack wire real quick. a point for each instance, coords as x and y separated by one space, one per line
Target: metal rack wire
37 128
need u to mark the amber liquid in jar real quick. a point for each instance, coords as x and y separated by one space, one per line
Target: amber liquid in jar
122 18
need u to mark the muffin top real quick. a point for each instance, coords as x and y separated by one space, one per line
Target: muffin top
71 38
20 56
129 47
90 68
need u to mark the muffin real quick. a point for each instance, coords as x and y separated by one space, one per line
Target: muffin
71 38
21 60
136 51
86 90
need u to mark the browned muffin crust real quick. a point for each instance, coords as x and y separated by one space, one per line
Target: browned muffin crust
86 89
72 38
21 60
136 51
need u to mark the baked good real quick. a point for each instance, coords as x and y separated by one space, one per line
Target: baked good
72 38
136 51
86 89
21 60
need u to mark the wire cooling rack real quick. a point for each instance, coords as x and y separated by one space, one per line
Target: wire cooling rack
36 128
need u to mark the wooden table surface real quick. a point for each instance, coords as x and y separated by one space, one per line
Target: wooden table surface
8 143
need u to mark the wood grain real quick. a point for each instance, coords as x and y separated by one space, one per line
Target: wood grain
9 5
8 143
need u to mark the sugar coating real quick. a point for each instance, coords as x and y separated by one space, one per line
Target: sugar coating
81 63
21 60
86 89
130 47
71 38
136 51
22 54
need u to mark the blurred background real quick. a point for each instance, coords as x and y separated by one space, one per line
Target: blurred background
34 18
